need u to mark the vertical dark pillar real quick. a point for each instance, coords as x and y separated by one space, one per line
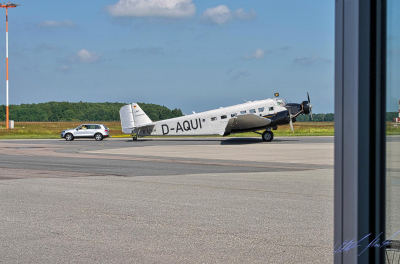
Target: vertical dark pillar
360 60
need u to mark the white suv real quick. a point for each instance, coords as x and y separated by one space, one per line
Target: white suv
96 131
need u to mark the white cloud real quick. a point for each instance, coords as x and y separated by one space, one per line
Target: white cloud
152 8
311 59
64 68
241 14
87 56
145 50
286 48
222 14
240 73
46 47
258 54
217 15
64 23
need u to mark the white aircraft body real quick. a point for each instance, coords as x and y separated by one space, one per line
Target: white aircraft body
250 116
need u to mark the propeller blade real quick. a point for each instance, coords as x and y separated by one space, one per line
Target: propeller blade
291 125
290 118
308 96
311 112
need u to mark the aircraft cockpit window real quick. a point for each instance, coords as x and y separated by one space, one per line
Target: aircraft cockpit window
242 112
281 102
271 109
223 117
234 114
213 118
261 109
252 111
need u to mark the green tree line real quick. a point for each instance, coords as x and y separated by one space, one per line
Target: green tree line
82 111
316 118
66 111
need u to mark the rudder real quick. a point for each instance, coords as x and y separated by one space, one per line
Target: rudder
131 117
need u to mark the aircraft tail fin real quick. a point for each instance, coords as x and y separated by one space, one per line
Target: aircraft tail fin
132 116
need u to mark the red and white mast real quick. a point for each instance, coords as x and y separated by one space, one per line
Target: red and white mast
7 6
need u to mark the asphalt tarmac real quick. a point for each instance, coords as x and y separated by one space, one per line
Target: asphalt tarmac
191 200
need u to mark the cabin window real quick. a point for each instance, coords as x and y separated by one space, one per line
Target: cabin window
223 117
213 118
271 109
252 111
261 109
234 114
242 112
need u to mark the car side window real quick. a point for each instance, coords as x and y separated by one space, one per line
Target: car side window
97 127
90 127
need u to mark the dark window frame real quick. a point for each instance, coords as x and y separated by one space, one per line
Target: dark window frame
360 108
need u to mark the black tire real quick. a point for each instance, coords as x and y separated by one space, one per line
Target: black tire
135 138
69 137
267 136
98 137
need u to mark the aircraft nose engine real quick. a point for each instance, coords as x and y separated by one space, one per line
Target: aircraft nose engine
305 106
294 110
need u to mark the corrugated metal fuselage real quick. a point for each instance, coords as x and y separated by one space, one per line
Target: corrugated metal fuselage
217 122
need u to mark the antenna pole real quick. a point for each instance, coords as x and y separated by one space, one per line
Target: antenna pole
7 107
6 6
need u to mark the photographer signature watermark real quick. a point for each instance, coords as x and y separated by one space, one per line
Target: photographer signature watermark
350 244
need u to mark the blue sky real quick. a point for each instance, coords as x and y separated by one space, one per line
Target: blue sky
188 54
393 56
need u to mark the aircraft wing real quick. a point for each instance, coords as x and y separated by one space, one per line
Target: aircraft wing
248 121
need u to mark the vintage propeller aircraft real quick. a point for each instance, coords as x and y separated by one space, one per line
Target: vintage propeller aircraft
250 116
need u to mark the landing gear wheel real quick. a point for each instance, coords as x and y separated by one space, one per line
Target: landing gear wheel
267 136
134 138
98 137
69 137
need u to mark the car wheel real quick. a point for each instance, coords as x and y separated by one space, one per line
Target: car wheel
267 136
69 137
98 137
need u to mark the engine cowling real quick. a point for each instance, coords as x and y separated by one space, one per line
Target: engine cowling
305 106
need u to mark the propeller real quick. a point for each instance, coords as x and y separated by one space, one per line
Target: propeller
309 103
291 123
290 118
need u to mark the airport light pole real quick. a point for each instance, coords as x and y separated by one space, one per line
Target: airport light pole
7 6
